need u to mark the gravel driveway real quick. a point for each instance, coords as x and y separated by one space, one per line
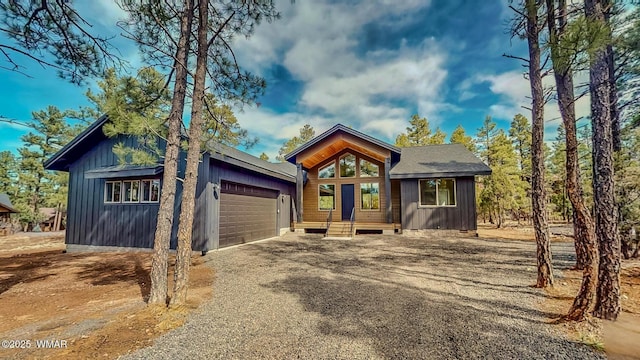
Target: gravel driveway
374 297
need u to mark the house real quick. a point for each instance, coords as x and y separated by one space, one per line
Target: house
351 182
239 198
6 209
341 182
52 219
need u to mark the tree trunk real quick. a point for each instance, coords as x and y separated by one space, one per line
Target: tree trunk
538 195
584 231
159 266
185 229
607 304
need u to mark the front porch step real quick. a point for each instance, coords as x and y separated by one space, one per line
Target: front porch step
339 230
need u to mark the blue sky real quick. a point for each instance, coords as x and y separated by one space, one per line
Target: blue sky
366 64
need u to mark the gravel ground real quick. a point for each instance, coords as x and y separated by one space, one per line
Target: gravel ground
373 297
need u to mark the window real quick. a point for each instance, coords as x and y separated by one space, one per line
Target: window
132 191
112 192
368 169
327 196
369 196
348 166
150 190
437 192
327 172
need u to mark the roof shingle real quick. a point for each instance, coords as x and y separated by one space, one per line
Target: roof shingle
438 161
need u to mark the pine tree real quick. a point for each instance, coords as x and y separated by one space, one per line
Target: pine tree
458 136
38 187
264 157
528 26
419 134
607 305
53 34
520 134
306 133
8 173
563 58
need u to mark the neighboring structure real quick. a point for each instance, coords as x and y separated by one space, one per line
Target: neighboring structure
239 198
355 182
6 209
344 178
53 219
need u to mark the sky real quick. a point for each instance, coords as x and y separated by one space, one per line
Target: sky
367 64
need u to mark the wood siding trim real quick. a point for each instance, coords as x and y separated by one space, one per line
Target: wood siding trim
337 144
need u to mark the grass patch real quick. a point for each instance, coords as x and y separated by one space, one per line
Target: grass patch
592 340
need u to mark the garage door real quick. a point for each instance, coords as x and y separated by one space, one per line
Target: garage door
246 214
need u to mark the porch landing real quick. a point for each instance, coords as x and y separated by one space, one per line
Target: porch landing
322 225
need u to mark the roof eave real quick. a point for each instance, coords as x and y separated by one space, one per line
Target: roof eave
438 174
50 164
335 129
252 167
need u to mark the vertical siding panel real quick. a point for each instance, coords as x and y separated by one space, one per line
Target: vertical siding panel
460 217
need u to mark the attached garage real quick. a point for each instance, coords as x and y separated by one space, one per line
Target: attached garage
247 213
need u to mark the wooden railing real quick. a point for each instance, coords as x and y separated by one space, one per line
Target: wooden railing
352 219
329 220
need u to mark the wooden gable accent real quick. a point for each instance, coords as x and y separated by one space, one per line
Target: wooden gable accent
335 144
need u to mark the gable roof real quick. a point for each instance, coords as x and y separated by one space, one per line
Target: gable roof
438 161
5 202
77 147
93 134
233 156
339 128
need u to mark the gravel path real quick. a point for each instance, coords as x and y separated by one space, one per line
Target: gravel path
373 297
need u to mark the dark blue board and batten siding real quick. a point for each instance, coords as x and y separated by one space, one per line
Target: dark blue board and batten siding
459 217
92 222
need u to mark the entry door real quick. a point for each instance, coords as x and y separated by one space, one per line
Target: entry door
347 201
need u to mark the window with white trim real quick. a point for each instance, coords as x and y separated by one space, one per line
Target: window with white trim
132 191
437 192
150 190
112 191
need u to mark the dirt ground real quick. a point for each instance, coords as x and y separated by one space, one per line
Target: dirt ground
620 339
92 303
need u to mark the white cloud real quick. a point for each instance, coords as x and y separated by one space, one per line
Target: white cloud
317 42
514 94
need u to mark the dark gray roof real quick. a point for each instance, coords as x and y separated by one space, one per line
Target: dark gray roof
438 161
284 171
5 202
334 129
93 134
109 172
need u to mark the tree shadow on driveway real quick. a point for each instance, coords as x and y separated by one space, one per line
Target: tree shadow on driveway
408 323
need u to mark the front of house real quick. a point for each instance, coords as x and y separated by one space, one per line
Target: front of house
341 182
353 177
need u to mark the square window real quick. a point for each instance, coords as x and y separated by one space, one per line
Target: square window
437 192
369 196
326 196
131 191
